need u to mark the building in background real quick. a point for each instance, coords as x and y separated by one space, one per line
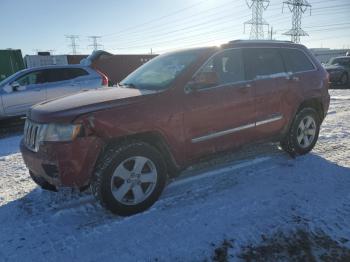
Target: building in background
44 59
117 67
325 54
11 61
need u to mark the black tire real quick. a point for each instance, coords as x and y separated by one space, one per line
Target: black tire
42 183
290 142
107 164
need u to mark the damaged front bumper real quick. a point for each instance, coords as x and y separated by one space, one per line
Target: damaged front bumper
63 164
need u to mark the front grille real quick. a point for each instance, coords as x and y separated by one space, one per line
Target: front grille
31 135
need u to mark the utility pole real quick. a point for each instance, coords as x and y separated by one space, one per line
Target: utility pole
95 45
271 33
73 43
297 8
257 22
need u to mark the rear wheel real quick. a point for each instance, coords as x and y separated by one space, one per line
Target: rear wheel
129 179
303 133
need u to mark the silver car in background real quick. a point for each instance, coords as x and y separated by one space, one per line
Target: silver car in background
30 86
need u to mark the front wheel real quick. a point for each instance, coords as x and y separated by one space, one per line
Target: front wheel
303 133
129 179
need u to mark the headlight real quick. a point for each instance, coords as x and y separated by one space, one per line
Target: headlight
60 132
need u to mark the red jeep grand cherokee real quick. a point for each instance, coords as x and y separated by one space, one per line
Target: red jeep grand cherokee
124 142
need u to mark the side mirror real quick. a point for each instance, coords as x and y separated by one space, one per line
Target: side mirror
202 80
17 87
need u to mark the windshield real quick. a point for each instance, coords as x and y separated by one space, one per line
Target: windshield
161 71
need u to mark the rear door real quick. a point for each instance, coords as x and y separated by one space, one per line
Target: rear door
31 91
220 116
301 74
61 83
264 66
82 79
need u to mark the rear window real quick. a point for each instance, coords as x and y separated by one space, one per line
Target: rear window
296 60
260 62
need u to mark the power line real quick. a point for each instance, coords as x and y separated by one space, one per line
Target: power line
158 18
297 7
95 45
257 22
73 43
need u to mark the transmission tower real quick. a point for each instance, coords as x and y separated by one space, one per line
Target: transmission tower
95 45
298 8
73 43
257 22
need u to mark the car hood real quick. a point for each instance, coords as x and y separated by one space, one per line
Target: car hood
67 108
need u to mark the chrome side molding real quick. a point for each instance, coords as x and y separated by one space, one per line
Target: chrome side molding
236 129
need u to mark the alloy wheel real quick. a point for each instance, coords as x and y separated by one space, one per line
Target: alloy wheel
306 132
134 180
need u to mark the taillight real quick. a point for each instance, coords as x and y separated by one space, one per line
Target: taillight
104 78
328 77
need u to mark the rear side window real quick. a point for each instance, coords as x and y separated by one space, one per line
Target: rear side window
76 72
296 60
262 62
63 74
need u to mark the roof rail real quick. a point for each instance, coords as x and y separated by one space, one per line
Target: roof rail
256 42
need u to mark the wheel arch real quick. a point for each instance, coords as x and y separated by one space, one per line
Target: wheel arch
314 103
152 138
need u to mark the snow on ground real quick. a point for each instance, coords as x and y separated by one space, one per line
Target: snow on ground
243 200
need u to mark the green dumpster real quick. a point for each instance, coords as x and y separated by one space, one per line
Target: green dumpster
11 61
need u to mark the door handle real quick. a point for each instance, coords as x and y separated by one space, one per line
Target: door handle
37 89
293 78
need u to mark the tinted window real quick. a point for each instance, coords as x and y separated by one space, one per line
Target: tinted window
296 60
261 62
32 78
76 72
344 61
62 74
228 66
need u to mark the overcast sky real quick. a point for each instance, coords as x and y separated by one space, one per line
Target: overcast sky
136 26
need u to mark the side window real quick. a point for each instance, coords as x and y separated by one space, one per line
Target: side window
262 62
53 75
76 72
296 60
228 66
32 78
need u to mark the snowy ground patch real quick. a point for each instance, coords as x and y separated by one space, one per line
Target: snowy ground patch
229 210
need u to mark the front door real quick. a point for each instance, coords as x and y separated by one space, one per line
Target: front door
24 92
222 115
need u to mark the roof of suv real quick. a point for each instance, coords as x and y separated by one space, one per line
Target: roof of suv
274 43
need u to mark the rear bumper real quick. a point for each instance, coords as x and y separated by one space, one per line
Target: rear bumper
64 164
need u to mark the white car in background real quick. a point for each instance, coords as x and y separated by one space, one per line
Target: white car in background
30 86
